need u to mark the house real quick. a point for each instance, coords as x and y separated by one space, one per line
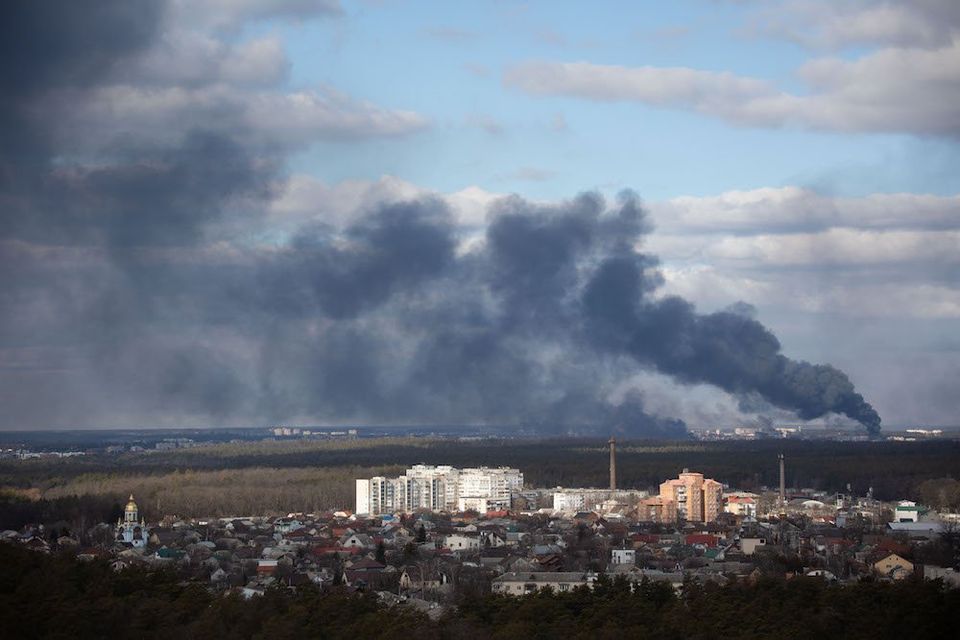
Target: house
749 546
462 543
741 505
415 577
266 567
893 566
493 539
366 565
357 541
365 573
701 540
550 562
520 583
623 556
286 525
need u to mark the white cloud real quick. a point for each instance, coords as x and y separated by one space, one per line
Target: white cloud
716 286
825 24
257 62
903 90
306 198
201 74
326 114
188 57
269 118
797 209
839 247
471 204
893 255
659 86
231 14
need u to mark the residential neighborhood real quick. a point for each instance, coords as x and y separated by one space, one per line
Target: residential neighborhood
428 558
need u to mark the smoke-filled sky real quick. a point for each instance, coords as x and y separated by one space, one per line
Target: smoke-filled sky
630 217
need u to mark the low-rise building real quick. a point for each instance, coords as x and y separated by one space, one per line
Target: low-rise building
623 556
520 583
906 511
749 546
462 543
893 566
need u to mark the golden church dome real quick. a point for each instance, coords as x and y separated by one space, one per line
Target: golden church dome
131 505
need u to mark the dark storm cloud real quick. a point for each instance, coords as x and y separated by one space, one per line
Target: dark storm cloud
148 286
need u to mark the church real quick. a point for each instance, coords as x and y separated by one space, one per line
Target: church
129 528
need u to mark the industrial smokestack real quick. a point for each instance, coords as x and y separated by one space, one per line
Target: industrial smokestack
783 483
613 463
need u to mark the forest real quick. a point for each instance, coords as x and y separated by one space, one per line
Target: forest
276 477
60 597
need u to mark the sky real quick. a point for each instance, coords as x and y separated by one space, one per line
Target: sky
638 216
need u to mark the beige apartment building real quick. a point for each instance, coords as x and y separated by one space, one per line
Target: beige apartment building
688 497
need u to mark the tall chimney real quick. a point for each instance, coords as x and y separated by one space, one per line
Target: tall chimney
613 463
783 483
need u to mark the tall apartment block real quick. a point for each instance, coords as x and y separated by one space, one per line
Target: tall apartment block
438 488
688 497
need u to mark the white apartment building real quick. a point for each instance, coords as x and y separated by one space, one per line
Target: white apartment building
438 488
569 502
484 482
482 505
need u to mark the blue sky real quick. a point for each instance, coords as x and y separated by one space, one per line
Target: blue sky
446 61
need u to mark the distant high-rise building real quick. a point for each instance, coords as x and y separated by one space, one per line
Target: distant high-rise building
688 497
438 488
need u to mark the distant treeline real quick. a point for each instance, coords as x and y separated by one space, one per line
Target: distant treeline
83 501
58 597
282 476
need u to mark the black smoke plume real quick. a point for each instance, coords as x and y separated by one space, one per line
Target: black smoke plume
144 283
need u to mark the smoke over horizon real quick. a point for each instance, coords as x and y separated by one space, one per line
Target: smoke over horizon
147 278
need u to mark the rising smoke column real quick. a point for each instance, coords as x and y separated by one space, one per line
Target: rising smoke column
726 349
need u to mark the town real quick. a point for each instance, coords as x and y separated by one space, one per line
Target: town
426 537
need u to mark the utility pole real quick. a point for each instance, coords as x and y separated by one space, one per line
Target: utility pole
783 484
613 464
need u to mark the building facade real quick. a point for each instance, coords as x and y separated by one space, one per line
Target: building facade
569 501
438 488
689 497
